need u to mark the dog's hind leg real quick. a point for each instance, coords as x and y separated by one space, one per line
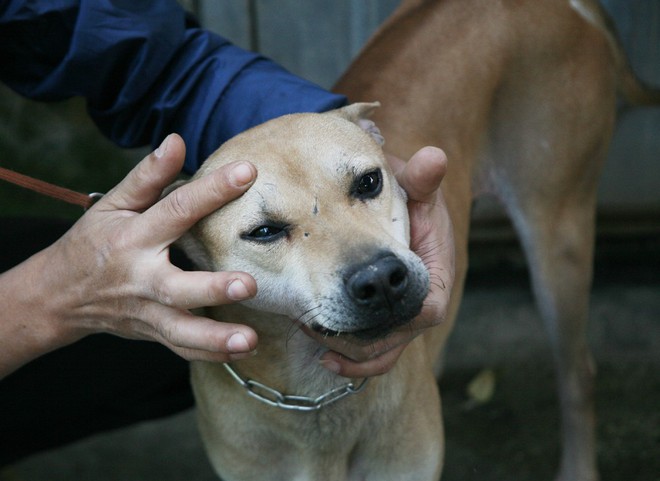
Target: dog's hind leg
548 141
560 259
553 210
553 205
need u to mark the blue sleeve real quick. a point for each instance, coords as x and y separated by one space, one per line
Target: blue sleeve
146 70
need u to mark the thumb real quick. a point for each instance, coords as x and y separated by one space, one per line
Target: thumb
422 174
143 185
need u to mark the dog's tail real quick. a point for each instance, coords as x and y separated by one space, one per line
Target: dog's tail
633 90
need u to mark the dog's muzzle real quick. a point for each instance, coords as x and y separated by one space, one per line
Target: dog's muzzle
378 295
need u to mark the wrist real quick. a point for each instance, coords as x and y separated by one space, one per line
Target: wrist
31 323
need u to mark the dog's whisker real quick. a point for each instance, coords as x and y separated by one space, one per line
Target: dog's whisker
430 244
411 329
309 316
296 326
435 271
438 282
440 285
427 302
428 249
372 347
308 311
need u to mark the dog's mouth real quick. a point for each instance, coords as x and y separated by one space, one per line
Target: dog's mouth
371 333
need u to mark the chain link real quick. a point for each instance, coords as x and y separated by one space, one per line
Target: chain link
274 398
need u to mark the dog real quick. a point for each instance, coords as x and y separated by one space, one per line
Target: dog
324 231
521 95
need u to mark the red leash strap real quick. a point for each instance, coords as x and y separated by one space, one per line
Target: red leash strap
50 190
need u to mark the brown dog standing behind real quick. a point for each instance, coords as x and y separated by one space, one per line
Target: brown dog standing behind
521 96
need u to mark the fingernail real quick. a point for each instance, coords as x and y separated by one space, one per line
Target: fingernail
331 366
241 174
238 343
237 290
162 148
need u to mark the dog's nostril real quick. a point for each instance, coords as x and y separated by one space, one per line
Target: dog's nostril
398 277
365 291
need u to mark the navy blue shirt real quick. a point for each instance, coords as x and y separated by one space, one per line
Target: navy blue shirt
146 69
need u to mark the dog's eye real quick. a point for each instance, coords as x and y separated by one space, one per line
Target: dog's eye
265 233
369 185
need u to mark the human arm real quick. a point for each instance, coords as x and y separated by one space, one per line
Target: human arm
111 272
146 70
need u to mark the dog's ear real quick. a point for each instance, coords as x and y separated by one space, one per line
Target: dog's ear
359 114
188 243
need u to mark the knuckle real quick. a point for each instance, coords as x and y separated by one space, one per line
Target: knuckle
143 174
164 293
180 203
215 294
169 289
170 332
120 240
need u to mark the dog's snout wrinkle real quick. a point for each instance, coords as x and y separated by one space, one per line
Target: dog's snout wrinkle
378 284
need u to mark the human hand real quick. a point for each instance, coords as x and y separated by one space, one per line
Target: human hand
431 239
113 270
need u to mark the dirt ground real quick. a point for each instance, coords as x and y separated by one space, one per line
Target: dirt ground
514 436
511 436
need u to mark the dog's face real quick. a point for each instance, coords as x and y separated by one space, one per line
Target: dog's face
324 229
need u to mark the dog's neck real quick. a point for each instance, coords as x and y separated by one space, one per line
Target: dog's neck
293 402
287 360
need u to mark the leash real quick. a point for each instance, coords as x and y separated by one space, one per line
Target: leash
51 190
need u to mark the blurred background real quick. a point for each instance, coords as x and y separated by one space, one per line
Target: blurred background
58 142
512 434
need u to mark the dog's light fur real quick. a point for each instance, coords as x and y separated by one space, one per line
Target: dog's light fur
308 165
521 96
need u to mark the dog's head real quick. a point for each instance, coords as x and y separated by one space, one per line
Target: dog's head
324 229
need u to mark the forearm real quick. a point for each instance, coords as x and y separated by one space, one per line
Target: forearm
28 327
147 70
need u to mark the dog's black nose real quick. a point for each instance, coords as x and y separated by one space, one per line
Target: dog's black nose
378 284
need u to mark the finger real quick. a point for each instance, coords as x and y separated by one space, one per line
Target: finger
143 186
190 290
183 331
376 366
422 174
200 355
168 219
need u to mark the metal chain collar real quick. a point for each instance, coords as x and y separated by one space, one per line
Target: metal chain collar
274 398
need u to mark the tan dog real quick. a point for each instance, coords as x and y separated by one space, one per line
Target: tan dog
521 96
324 231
